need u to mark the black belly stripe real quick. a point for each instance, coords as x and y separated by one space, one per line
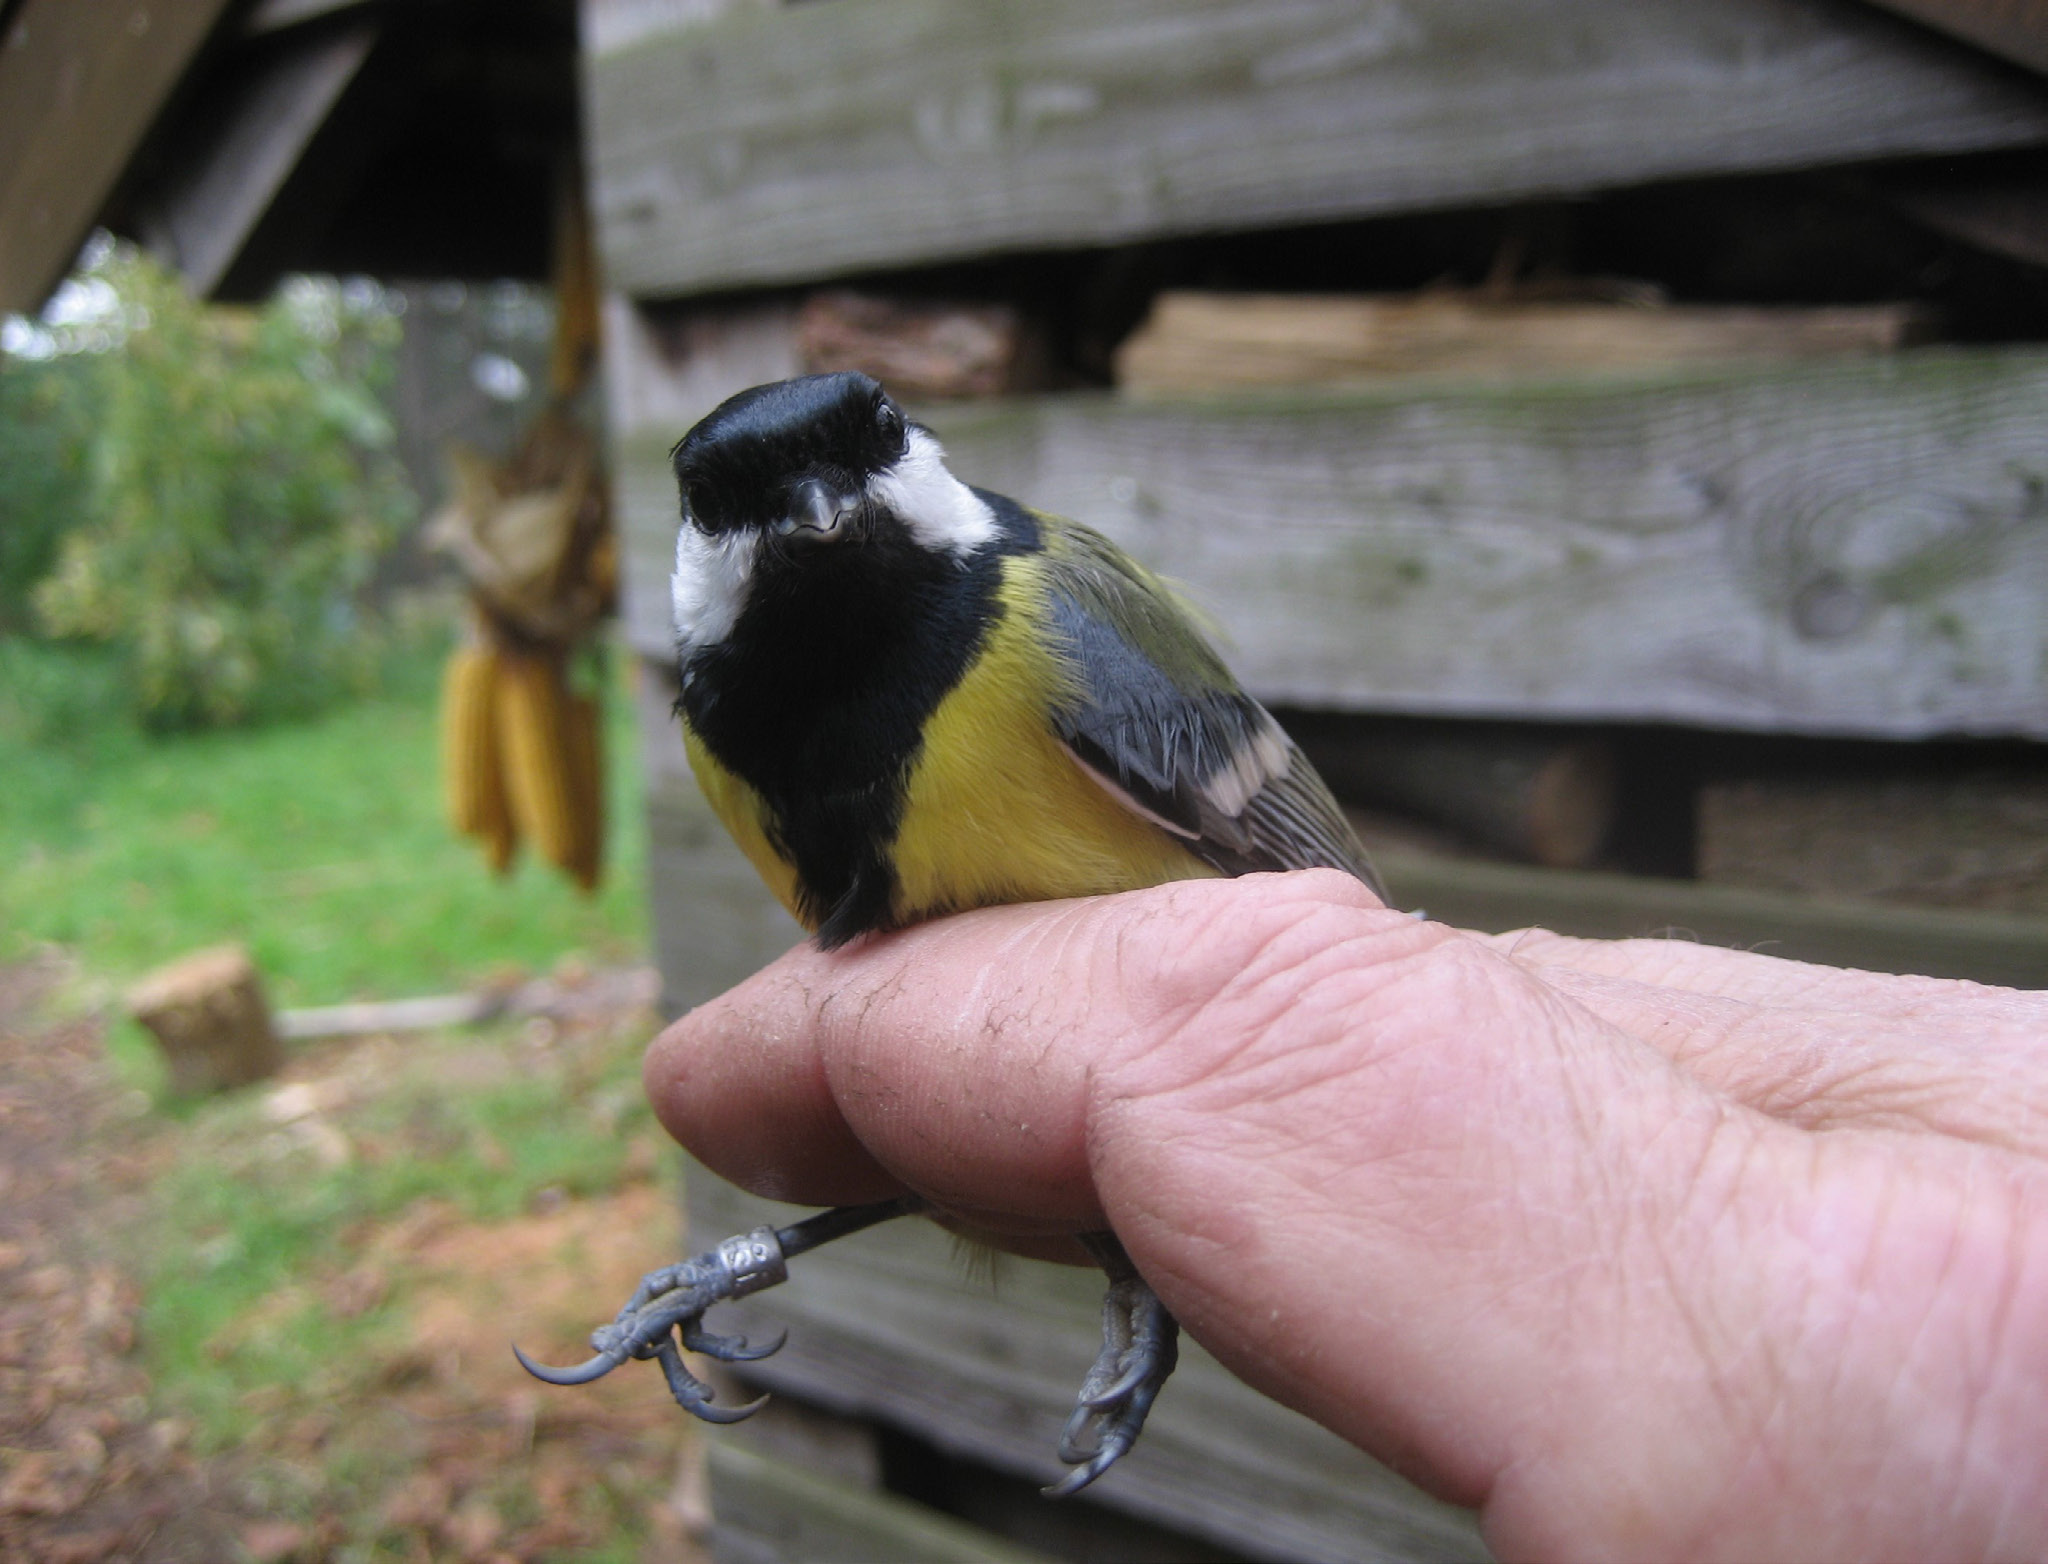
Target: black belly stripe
819 696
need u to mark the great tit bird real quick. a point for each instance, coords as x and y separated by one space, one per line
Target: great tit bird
904 697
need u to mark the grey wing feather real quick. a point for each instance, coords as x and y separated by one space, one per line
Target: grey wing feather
1157 717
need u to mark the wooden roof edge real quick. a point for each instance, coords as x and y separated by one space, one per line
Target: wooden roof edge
2014 30
81 84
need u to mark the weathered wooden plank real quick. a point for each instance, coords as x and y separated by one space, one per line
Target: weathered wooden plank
885 1325
80 81
774 1512
1222 341
1966 839
609 25
1852 548
767 146
1986 947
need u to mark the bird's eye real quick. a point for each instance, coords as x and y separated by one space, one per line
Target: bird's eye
890 422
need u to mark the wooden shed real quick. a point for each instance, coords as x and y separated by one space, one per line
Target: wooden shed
1463 358
1615 432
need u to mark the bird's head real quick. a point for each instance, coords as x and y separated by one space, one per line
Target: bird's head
784 479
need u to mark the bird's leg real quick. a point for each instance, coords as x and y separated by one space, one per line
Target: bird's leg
671 1302
1140 1345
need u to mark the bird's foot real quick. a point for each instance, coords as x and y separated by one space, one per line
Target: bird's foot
665 1315
1140 1345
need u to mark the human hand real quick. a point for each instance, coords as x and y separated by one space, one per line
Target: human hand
1644 1249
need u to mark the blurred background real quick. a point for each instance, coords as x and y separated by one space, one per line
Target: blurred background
1613 434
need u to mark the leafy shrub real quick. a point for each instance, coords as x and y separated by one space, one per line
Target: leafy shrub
44 428
241 487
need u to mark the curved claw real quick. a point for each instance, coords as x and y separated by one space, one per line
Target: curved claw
1125 1383
704 1411
693 1395
1070 1438
732 1349
746 1354
1071 1449
1081 1476
582 1374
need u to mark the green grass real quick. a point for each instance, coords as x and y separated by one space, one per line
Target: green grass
428 1128
321 844
243 1329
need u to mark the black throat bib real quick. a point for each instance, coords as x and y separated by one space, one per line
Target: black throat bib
819 696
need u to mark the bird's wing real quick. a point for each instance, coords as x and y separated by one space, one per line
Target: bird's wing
1161 723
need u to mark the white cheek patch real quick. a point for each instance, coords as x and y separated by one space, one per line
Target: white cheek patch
940 511
709 587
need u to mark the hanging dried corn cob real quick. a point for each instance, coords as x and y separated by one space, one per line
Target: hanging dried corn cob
533 725
472 766
520 752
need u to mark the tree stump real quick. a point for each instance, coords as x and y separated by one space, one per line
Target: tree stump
207 1012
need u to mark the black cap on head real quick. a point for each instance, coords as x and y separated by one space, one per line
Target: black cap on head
738 466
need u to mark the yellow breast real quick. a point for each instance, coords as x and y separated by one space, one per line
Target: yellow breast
998 810
741 810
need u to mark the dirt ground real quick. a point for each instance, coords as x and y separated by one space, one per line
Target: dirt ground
439 1447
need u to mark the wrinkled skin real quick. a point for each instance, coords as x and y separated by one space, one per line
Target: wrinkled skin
1645 1249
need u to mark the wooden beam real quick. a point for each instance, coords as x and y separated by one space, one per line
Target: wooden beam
1958 837
634 988
1857 547
80 83
609 25
1222 341
771 1511
201 216
2015 29
270 16
1985 947
776 145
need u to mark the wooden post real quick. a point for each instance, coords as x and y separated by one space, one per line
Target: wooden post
207 1012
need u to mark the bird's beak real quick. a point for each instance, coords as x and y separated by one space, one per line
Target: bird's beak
817 511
